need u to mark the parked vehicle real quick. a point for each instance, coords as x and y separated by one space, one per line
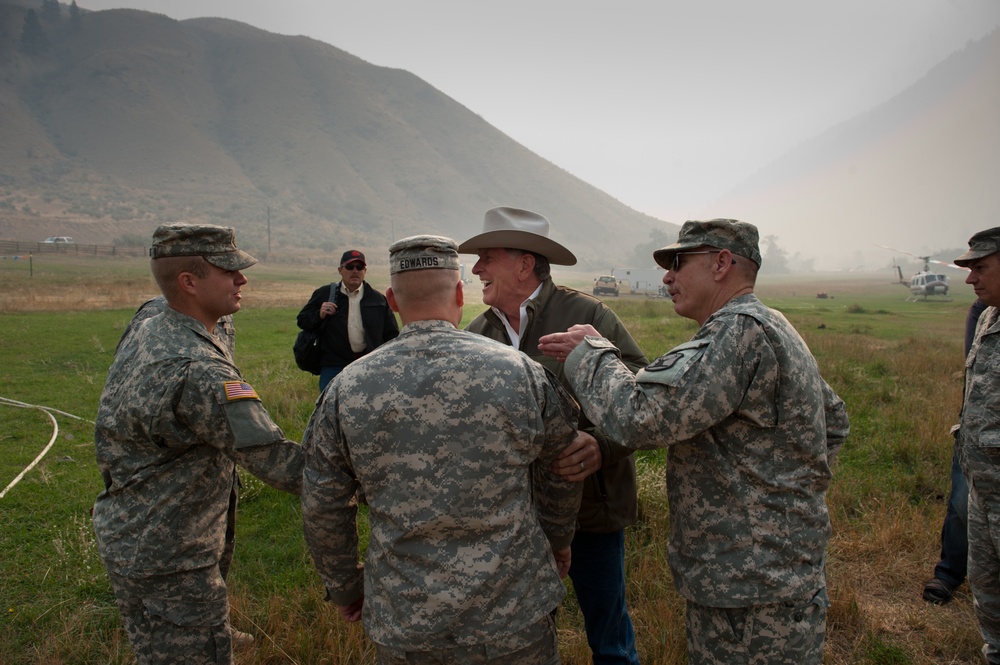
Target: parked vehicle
648 281
606 285
58 240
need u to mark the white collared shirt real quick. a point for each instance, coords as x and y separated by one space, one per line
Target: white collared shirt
515 335
355 326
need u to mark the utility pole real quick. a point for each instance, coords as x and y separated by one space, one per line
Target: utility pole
268 229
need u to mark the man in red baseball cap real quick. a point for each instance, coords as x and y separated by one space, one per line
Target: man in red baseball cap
351 317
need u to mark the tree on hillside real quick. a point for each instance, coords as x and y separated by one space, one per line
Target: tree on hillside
642 255
775 259
51 11
33 39
74 17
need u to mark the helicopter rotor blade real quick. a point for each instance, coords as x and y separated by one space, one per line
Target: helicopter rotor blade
949 265
893 249
925 259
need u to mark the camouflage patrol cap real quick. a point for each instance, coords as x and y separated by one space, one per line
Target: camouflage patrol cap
982 244
423 253
215 244
738 237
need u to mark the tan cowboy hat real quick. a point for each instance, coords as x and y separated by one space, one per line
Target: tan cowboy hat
518 229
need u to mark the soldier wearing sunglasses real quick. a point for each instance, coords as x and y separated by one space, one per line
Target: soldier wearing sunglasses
751 430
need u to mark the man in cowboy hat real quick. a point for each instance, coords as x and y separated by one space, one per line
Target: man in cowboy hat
977 442
515 252
751 430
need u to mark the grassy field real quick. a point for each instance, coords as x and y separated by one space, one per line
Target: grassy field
896 364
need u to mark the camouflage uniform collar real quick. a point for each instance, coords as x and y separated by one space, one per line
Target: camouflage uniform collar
428 325
177 318
737 304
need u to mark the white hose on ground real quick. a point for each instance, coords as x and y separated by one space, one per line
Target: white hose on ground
55 433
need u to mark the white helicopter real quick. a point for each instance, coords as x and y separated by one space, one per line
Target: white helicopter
924 283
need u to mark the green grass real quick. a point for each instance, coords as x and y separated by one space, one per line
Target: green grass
896 364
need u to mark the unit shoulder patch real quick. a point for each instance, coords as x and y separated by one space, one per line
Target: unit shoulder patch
671 366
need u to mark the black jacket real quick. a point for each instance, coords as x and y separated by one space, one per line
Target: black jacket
376 316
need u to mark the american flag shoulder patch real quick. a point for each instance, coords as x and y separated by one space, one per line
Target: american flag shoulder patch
239 390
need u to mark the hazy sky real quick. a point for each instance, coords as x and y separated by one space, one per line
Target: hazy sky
663 104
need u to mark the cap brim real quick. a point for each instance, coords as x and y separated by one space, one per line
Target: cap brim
972 255
238 260
522 240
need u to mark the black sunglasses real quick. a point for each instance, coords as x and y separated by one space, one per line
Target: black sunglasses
675 265
357 267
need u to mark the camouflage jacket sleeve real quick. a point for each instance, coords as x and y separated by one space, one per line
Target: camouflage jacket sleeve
329 513
238 423
715 369
646 415
556 499
730 366
612 328
837 424
279 464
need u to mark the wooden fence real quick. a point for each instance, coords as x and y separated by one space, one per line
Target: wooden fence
10 248
20 248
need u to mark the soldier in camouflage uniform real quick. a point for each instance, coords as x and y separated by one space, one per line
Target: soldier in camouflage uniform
751 430
225 331
174 420
978 438
451 437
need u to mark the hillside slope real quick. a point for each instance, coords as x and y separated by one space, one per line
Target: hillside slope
918 173
136 119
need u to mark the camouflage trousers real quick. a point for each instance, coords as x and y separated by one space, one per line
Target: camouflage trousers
542 651
984 568
179 618
789 633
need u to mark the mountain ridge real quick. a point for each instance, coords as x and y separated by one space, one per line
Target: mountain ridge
138 119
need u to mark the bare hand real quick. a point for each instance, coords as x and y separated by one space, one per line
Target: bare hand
564 560
560 345
579 459
352 612
326 309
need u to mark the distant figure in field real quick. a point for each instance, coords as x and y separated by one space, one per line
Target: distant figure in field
352 317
